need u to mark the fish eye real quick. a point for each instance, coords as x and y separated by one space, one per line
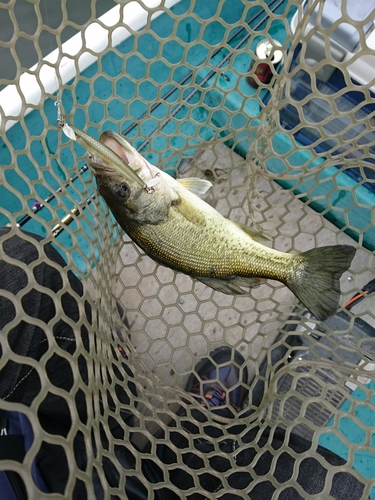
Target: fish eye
122 190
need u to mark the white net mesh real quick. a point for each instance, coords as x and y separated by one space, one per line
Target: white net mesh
96 353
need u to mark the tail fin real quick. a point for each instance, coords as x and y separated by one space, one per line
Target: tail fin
316 279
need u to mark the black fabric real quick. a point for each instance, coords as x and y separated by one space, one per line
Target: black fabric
16 484
26 339
12 447
19 382
252 463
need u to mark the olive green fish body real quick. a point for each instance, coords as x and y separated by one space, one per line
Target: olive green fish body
179 230
203 244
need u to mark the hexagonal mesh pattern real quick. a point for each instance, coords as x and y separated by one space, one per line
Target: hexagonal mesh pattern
98 340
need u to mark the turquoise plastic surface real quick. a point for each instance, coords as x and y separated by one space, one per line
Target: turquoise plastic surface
353 432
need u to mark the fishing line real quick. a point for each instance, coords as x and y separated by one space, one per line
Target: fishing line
273 5
48 24
37 206
212 73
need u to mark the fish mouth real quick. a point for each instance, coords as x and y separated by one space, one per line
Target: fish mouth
102 167
106 160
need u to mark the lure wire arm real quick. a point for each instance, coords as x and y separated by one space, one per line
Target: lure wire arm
60 116
68 131
149 186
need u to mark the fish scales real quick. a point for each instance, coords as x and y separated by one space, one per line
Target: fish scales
178 229
214 249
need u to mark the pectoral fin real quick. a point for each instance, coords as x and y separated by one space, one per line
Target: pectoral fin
195 185
233 285
189 211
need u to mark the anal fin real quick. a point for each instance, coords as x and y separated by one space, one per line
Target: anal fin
235 285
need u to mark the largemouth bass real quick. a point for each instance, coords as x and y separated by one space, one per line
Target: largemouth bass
176 228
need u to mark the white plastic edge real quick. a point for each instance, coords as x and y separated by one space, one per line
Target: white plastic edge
362 69
95 39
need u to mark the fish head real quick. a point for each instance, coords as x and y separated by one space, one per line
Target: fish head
133 189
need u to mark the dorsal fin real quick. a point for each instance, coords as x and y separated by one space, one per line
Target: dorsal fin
260 238
195 185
